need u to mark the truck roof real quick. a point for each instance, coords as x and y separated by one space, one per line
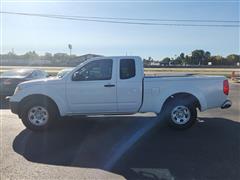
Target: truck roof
118 57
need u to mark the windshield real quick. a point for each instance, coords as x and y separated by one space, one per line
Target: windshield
17 73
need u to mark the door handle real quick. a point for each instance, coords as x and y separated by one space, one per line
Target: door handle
109 85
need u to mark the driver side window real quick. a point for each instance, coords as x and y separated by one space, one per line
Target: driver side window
94 70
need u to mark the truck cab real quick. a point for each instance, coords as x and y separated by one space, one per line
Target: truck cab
105 85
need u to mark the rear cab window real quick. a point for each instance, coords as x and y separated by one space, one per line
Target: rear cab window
127 68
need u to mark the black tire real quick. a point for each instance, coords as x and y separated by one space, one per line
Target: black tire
186 105
46 105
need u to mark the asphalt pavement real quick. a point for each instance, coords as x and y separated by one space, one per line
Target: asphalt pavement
123 147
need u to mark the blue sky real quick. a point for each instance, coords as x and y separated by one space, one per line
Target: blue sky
53 35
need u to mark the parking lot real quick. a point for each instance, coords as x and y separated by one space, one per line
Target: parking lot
123 147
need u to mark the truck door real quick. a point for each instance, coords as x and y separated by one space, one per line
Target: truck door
129 86
92 88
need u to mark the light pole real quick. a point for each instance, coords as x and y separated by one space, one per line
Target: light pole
70 49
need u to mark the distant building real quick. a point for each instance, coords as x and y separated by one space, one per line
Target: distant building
164 63
87 56
80 59
155 63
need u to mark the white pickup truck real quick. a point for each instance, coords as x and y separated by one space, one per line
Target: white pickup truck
117 85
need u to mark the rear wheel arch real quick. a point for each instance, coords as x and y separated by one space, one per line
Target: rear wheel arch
182 95
38 97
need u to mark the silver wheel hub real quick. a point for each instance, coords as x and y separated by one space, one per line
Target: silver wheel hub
38 115
180 115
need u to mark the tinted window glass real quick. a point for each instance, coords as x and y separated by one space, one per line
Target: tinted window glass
95 70
127 68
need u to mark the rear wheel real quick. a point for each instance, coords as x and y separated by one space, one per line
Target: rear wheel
180 114
38 115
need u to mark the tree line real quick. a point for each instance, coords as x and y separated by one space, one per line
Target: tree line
197 57
33 56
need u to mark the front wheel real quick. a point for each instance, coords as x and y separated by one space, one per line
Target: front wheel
38 116
179 114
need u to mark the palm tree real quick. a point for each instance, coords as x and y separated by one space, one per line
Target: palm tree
207 56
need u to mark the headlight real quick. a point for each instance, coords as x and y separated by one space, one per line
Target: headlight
18 88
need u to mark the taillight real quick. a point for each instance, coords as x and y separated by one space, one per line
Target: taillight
225 87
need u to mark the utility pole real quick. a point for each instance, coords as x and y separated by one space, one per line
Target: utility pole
70 49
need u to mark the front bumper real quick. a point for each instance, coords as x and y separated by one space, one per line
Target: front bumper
14 106
226 104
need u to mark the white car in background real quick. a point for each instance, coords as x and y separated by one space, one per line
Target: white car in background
11 78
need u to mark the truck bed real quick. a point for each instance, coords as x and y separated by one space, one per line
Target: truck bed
169 75
208 89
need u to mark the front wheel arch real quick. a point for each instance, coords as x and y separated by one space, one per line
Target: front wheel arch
37 97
